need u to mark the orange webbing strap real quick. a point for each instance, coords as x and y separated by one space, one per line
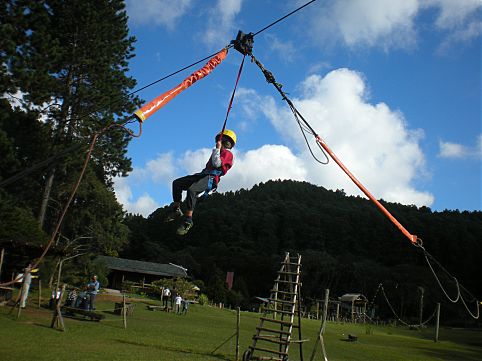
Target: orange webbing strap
410 236
153 106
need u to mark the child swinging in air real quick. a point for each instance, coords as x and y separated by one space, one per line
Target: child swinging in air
219 163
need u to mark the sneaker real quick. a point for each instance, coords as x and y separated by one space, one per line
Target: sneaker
184 227
173 215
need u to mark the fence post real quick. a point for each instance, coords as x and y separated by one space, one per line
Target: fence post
124 310
39 292
437 323
238 319
2 253
319 339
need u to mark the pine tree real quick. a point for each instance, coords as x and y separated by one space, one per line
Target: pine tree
69 59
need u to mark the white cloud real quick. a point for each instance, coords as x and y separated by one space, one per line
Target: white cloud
144 205
285 49
159 172
157 12
392 24
457 151
262 164
368 23
221 22
453 13
479 146
372 140
452 150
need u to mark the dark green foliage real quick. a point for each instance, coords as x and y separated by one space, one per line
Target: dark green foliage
68 62
346 244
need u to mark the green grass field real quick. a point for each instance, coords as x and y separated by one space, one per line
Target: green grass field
156 335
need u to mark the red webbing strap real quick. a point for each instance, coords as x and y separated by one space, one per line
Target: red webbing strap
410 236
154 105
232 97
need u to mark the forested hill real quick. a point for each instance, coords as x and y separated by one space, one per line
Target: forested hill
346 243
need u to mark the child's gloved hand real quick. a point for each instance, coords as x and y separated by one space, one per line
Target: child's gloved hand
218 144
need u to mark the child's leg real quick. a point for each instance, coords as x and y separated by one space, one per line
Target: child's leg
181 184
192 192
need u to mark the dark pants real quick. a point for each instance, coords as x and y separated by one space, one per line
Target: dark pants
193 184
91 301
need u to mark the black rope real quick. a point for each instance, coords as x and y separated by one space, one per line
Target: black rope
284 17
190 65
174 73
459 287
305 127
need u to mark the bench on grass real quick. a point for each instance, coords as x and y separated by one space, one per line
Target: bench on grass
94 316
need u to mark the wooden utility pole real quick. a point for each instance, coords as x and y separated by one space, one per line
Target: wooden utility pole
437 322
322 329
238 319
422 290
2 253
124 310
39 292
58 320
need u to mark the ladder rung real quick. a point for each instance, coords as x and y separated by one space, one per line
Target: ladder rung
299 341
272 330
281 301
287 323
291 282
272 340
283 292
291 264
280 311
268 350
288 273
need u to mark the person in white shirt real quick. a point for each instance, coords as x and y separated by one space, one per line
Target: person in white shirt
178 301
166 294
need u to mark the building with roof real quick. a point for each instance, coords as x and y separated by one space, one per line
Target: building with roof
354 305
122 269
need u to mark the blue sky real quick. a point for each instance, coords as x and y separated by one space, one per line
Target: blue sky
393 87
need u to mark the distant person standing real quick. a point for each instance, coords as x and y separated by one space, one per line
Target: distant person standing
92 290
185 306
166 294
173 297
178 301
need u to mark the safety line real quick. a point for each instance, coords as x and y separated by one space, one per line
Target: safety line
191 65
232 97
284 17
459 295
398 317
122 125
270 79
74 191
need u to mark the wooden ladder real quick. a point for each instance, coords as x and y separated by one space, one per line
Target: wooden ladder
282 314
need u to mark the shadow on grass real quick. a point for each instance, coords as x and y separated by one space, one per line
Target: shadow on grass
47 326
452 355
175 349
111 313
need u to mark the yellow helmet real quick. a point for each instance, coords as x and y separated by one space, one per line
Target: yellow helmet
230 134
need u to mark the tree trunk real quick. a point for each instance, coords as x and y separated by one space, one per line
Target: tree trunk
46 197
